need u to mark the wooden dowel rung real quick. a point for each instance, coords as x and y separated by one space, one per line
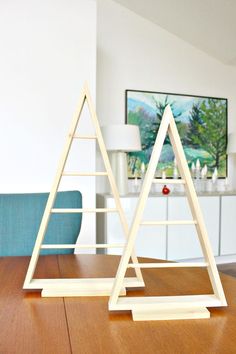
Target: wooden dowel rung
84 174
168 222
98 245
167 265
83 210
85 137
168 181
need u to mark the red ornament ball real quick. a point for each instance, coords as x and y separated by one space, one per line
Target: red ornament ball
165 190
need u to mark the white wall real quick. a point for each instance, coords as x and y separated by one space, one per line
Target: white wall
48 49
133 53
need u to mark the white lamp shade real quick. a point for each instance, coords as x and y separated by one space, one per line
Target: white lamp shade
231 148
121 137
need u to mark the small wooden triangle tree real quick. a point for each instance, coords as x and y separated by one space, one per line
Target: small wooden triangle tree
168 307
89 286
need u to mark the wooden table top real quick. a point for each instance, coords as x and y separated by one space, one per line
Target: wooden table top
30 324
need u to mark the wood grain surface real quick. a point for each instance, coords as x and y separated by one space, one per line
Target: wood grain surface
228 268
30 324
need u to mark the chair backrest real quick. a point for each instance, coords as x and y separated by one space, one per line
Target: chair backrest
20 217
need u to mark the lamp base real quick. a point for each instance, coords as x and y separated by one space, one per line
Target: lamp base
119 169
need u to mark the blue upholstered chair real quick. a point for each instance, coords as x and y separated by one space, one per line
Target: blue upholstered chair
20 217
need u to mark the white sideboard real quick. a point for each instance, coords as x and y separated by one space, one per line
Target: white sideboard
183 241
173 242
228 225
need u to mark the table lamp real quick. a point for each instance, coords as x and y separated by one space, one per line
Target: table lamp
231 147
120 139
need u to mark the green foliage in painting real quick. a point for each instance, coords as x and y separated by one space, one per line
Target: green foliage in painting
210 129
201 123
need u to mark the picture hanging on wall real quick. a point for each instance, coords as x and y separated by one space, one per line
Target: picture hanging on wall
201 122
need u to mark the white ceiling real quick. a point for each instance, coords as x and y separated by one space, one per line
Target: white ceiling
209 25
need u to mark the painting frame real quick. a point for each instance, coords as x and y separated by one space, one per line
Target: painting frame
196 99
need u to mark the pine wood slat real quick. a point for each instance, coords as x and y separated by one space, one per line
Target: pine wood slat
84 174
168 222
83 210
95 245
84 137
167 265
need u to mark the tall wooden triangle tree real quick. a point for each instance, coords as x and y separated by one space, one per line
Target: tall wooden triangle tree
89 286
169 307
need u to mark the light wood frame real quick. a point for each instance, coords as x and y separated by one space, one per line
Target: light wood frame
169 307
89 286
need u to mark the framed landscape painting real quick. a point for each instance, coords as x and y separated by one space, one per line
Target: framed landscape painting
201 123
